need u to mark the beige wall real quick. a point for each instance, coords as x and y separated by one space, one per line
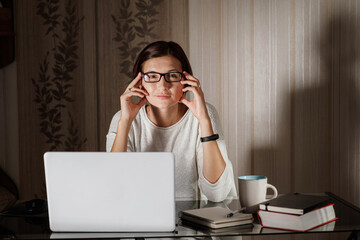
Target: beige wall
284 77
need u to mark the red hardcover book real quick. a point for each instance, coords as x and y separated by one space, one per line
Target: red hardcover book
301 223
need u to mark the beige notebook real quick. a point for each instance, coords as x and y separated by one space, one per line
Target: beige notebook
215 217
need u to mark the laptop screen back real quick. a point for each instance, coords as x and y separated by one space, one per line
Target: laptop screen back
110 192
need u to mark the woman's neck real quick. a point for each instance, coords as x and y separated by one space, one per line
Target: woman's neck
165 117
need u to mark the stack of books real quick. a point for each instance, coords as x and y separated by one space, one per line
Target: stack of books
216 219
296 212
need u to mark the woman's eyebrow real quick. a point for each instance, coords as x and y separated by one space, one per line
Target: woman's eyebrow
171 70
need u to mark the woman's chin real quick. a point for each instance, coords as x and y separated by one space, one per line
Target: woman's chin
162 103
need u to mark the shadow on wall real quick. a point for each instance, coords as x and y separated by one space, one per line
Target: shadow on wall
344 66
321 120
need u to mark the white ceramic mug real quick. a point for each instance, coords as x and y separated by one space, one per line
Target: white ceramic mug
252 191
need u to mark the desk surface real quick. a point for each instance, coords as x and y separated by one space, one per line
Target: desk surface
38 227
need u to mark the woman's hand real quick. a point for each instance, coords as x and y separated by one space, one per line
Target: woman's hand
128 113
128 108
197 106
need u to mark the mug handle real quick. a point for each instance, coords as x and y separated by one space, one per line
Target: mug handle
274 190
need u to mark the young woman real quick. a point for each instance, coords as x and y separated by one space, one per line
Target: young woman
165 121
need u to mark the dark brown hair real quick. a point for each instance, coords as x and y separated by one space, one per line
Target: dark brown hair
160 49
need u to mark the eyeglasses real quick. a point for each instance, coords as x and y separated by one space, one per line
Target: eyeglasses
153 77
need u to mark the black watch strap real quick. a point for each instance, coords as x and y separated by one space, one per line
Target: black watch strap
210 138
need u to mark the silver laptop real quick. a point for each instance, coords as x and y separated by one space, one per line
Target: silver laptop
110 192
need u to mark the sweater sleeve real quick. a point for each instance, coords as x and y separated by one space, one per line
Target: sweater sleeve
110 137
225 186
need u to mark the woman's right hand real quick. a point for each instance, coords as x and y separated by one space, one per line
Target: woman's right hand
128 108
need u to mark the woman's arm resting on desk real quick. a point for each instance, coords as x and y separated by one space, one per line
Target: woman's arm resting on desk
224 187
213 162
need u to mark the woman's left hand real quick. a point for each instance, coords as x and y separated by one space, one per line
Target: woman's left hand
197 106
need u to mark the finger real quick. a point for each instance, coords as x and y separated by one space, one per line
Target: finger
195 90
189 76
192 83
191 80
135 81
134 89
185 101
134 93
142 102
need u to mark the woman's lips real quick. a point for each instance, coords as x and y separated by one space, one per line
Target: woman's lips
163 96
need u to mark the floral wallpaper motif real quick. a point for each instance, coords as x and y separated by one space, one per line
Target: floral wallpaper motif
61 74
55 80
135 24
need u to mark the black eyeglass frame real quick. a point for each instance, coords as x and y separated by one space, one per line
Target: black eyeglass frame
162 75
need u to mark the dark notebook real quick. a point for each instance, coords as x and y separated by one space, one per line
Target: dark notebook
295 203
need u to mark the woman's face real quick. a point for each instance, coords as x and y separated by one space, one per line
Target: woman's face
163 94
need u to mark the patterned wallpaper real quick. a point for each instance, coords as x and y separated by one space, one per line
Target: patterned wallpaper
74 60
134 30
54 81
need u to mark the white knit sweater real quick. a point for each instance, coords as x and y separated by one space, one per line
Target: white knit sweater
183 139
